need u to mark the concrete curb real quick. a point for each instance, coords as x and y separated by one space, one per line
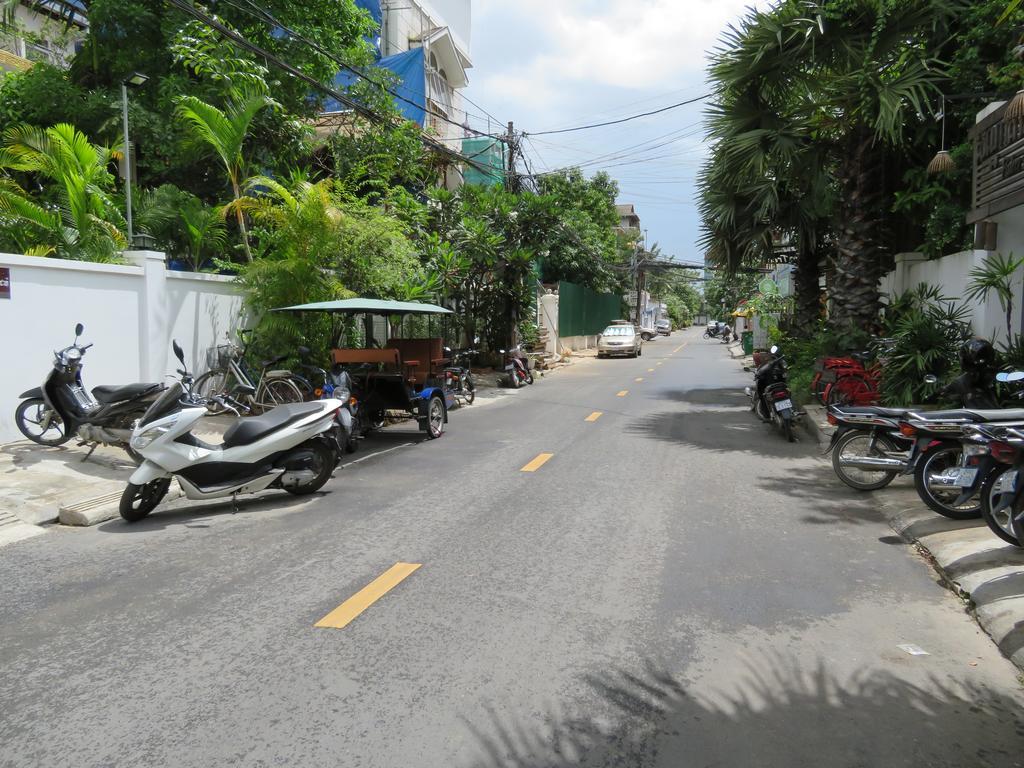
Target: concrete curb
968 557
13 529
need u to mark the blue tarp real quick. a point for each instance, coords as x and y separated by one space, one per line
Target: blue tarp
412 85
373 8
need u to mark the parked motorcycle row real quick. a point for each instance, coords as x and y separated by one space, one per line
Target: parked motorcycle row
966 463
307 420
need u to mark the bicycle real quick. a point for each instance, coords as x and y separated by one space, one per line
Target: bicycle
271 388
860 384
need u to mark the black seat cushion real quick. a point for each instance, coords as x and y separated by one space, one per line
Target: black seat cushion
248 430
108 393
974 416
869 410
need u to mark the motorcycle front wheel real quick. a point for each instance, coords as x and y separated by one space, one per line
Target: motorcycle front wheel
40 423
468 389
940 500
137 501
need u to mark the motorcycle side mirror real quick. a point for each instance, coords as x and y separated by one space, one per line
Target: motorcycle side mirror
931 379
78 329
774 349
178 352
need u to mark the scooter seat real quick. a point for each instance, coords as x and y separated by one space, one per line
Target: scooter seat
248 430
869 410
973 416
109 393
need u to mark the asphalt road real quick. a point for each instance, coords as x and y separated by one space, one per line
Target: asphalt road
674 586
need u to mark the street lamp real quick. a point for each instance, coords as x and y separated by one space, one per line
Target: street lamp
134 80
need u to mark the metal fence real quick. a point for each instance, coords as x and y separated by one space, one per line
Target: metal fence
583 312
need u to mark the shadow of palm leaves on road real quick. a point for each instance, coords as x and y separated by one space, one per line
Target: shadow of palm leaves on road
723 430
833 501
780 714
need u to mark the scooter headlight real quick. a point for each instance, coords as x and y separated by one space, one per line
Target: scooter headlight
147 436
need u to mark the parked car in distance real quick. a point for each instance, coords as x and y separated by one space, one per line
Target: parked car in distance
664 327
647 333
619 340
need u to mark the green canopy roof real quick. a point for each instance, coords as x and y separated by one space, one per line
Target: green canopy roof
369 306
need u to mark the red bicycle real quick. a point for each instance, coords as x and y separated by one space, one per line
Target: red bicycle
860 385
827 370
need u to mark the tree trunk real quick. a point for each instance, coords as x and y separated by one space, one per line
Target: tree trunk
241 220
807 291
860 258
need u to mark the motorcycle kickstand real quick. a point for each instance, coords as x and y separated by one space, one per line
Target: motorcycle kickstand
234 503
93 448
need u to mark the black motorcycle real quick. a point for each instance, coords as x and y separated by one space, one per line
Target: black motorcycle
770 397
459 374
62 408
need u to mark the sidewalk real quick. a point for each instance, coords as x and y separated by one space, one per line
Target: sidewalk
978 566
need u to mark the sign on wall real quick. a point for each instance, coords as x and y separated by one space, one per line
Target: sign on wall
5 282
998 180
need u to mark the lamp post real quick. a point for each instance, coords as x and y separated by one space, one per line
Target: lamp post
134 80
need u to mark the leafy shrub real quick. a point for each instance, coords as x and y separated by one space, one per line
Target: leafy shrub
927 329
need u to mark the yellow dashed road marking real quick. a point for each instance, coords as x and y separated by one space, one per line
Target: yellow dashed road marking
537 463
594 416
623 393
345 613
640 378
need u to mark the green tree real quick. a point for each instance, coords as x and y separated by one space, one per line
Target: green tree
852 72
84 223
183 225
224 131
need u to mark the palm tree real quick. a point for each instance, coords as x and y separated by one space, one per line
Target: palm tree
225 131
85 222
183 224
845 76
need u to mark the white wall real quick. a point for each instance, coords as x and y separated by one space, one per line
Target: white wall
951 275
129 319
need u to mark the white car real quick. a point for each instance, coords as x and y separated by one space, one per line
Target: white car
619 340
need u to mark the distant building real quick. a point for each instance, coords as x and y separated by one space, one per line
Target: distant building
425 44
628 217
42 30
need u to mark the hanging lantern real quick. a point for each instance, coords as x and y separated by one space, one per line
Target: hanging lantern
1015 108
943 161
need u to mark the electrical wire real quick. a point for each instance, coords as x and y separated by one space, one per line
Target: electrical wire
348 101
262 14
623 119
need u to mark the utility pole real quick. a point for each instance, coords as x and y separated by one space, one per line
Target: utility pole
511 179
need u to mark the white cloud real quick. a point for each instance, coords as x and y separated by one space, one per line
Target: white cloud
625 43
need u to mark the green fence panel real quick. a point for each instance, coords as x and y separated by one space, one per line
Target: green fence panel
583 312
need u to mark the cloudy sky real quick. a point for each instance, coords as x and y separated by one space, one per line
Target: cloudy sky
550 64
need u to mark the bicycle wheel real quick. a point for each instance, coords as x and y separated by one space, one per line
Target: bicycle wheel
214 382
850 390
276 392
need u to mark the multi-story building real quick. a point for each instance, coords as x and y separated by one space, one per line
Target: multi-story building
425 44
629 219
41 30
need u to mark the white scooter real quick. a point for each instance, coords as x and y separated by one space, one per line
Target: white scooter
292 446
